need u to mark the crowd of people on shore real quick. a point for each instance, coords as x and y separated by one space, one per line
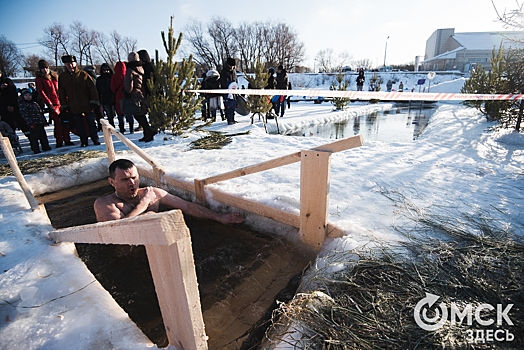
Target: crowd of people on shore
76 100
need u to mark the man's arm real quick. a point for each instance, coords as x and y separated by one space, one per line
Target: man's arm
196 210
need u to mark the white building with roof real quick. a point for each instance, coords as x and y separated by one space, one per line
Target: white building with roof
447 50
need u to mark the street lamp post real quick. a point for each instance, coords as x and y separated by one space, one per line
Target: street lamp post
385 51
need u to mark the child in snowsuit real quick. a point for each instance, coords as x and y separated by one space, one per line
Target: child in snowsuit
34 117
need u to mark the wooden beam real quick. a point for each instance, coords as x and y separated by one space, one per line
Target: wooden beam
152 229
256 208
270 164
11 159
200 194
314 197
174 275
108 140
337 146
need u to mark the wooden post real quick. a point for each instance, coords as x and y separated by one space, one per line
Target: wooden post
200 194
108 140
314 197
168 247
11 159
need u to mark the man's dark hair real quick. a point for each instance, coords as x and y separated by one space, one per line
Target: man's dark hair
123 164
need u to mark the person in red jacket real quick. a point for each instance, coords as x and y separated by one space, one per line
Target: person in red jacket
117 84
47 86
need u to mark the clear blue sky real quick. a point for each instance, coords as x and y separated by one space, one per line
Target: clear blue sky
357 27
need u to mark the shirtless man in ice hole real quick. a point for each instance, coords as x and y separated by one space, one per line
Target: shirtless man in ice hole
129 200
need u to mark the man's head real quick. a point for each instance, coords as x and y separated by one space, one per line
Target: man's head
231 62
123 176
69 62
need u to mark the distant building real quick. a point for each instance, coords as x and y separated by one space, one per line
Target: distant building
447 50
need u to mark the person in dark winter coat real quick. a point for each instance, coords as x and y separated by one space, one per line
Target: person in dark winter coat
78 96
228 76
149 70
35 120
289 87
105 95
47 87
117 85
9 112
271 83
216 102
282 83
134 85
360 80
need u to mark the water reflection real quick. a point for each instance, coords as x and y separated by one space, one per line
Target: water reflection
400 124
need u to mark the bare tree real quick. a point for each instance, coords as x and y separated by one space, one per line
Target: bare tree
129 45
222 34
55 41
363 63
269 43
103 48
203 51
246 38
82 42
10 56
290 52
31 63
329 62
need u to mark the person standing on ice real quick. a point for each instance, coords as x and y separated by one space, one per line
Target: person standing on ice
47 86
360 80
228 76
129 200
282 83
78 96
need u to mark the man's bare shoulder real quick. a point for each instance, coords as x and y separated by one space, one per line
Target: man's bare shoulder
105 200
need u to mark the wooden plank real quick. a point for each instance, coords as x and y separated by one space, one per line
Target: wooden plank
341 145
174 276
270 164
11 159
108 140
183 185
257 208
337 146
314 197
162 228
200 194
135 148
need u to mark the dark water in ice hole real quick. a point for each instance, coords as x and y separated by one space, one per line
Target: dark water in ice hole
231 262
401 124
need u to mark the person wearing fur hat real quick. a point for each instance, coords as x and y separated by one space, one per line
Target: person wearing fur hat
134 86
47 86
35 120
228 76
78 96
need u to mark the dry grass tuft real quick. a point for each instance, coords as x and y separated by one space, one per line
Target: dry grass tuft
34 165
